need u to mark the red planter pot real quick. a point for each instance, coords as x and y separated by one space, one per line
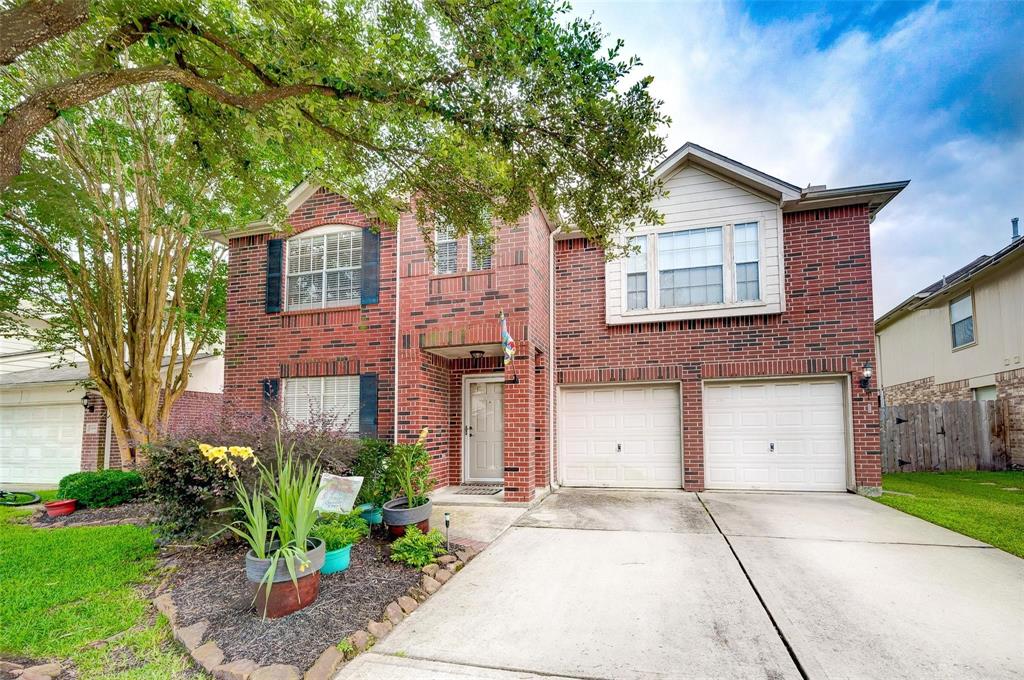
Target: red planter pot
61 508
287 597
399 530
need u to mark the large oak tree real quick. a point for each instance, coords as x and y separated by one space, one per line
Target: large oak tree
476 108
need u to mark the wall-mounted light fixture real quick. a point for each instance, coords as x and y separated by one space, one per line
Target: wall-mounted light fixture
865 378
86 404
476 354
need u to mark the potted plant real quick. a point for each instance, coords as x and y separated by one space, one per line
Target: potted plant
409 472
59 508
285 559
371 464
339 533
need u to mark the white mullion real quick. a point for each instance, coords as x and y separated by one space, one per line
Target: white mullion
729 292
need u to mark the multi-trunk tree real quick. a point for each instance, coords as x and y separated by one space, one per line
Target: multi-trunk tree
477 108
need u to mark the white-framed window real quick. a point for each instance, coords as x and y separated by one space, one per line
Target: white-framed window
690 268
636 274
324 270
746 255
335 398
961 320
480 251
446 251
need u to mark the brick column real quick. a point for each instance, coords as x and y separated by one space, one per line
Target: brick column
94 433
540 425
519 417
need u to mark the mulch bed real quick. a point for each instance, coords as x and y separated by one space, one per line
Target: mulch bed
137 512
210 584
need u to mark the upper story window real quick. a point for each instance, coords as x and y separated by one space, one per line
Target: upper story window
690 268
331 401
324 270
961 319
446 251
480 250
746 255
636 274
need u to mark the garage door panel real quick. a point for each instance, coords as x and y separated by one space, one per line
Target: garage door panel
644 420
804 419
40 444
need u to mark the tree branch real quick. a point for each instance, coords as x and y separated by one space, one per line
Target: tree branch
35 22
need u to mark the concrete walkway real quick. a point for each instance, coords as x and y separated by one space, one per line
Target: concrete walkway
617 584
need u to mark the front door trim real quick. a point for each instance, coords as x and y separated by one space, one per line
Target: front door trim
466 381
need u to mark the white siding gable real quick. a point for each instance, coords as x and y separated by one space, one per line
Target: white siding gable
697 198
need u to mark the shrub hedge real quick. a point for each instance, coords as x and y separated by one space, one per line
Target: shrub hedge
101 489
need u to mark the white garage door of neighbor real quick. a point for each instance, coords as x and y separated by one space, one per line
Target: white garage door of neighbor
39 444
782 436
621 436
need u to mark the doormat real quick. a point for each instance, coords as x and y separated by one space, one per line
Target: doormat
479 490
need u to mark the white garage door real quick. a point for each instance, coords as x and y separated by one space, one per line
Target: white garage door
39 444
622 436
786 435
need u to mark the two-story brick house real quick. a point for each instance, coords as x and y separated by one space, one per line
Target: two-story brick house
725 353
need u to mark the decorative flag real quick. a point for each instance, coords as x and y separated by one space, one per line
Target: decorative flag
507 343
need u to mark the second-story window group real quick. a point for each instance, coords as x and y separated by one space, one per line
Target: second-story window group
324 270
446 252
694 267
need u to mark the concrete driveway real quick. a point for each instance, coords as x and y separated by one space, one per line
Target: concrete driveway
618 584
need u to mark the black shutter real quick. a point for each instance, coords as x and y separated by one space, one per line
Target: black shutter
271 388
369 287
275 250
368 405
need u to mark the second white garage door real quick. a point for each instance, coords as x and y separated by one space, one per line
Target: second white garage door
39 444
785 435
621 436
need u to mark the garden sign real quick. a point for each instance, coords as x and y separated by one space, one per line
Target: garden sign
337 494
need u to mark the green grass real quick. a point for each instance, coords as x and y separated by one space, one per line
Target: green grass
62 589
971 503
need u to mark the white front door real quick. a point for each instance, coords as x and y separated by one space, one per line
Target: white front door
482 428
785 435
621 436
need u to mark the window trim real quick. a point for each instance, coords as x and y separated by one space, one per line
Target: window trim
729 292
353 423
322 231
974 321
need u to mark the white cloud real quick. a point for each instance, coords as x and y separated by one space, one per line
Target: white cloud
863 109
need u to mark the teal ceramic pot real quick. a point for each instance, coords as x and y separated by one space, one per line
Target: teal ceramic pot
372 515
336 560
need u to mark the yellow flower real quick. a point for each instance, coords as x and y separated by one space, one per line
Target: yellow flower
204 448
423 437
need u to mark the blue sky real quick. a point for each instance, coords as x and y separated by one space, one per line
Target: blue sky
844 93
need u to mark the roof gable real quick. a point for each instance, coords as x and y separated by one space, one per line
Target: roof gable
729 168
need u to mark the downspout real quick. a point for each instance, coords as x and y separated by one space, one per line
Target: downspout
398 316
552 366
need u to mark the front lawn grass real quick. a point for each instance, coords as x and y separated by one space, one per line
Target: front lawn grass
975 504
62 589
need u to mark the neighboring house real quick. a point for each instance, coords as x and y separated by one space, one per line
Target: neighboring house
50 426
725 354
961 338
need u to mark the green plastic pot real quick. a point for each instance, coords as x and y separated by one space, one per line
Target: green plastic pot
371 513
336 560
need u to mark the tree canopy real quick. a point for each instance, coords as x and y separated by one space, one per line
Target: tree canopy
473 107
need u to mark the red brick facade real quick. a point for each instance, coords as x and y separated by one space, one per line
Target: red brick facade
827 328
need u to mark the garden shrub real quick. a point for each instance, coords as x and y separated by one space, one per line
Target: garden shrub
102 488
416 548
188 489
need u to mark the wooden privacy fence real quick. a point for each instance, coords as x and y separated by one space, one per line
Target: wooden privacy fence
950 435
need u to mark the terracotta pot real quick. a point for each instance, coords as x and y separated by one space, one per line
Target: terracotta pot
61 508
399 529
286 597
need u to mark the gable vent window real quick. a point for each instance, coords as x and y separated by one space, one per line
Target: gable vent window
332 401
446 251
324 270
480 251
690 267
636 274
961 319
747 276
